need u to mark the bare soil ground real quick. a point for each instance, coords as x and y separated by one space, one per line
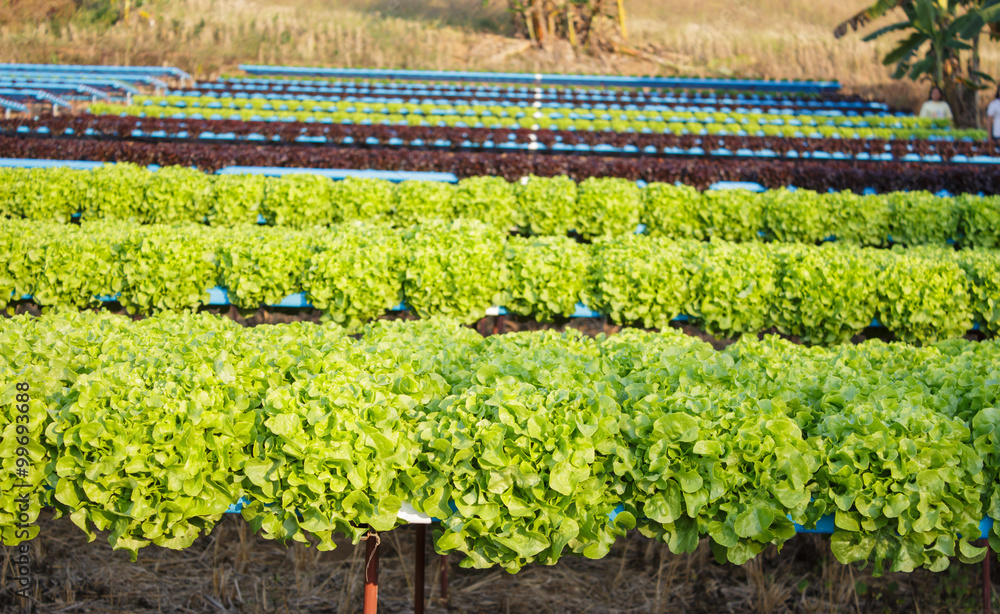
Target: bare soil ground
232 571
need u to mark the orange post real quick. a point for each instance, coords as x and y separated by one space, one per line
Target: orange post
371 572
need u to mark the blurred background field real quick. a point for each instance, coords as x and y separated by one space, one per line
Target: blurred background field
785 39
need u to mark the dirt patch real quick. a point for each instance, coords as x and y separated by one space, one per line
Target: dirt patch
233 571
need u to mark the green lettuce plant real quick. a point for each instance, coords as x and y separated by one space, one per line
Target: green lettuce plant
261 265
488 199
117 192
921 218
640 280
982 270
733 288
824 296
979 220
453 269
734 215
545 276
799 216
236 199
547 205
163 268
415 202
860 220
176 194
151 445
607 206
924 299
51 194
359 198
355 273
527 469
673 211
299 201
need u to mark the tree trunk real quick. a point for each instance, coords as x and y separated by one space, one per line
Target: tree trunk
621 18
964 97
571 27
538 19
964 102
974 77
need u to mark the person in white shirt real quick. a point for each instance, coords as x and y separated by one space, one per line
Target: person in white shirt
935 108
993 116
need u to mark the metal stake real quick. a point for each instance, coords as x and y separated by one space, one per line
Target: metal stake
987 597
371 573
444 579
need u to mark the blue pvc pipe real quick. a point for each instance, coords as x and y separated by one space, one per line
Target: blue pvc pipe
35 163
66 86
98 68
13 105
86 77
37 94
337 173
539 79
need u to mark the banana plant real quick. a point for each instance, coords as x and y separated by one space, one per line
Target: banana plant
941 33
572 20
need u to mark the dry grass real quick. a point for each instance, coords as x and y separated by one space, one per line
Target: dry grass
767 38
232 571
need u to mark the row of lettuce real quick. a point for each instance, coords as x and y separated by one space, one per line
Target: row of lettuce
541 206
523 445
677 123
355 272
430 108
